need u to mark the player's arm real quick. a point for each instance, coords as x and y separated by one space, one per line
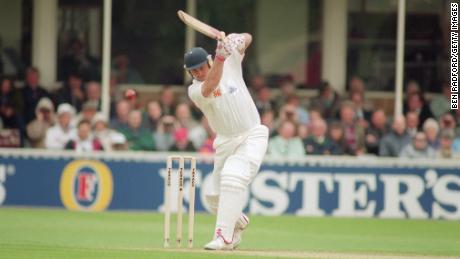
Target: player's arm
241 41
223 50
213 78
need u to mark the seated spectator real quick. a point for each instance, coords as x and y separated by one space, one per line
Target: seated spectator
412 123
287 113
182 142
440 104
416 103
327 101
77 60
447 121
167 100
263 100
109 138
44 119
318 143
93 93
363 113
88 111
126 74
9 93
32 92
315 114
412 87
268 119
303 131
286 143
257 82
336 135
393 142
154 114
287 88
302 114
13 129
374 133
138 137
456 145
120 122
164 136
58 135
184 116
353 132
418 148
72 92
431 130
84 140
356 84
132 97
446 141
456 114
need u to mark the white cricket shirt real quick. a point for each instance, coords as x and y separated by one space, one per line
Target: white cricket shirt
230 109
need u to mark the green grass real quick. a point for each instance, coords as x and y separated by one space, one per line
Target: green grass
52 233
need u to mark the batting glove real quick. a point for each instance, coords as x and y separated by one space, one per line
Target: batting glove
224 49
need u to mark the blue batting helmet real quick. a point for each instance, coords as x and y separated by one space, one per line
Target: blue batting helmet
195 58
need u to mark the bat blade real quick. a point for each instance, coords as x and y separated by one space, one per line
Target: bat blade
200 26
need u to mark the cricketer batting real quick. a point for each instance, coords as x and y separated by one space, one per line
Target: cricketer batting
219 90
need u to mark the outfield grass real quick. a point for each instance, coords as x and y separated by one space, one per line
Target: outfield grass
52 233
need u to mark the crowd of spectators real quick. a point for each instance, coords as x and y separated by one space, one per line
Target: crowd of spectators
328 124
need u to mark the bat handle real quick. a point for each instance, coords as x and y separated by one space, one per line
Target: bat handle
220 36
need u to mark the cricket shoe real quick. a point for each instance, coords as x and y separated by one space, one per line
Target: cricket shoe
219 243
241 225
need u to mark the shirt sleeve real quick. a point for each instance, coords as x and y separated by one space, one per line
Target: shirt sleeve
194 92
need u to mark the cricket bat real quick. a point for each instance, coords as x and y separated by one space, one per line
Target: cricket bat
200 26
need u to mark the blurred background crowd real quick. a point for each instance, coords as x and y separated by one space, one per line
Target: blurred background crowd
326 124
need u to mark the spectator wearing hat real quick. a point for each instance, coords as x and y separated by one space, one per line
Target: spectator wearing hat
132 97
72 92
138 137
84 140
32 92
445 144
110 138
419 148
44 119
431 130
182 142
58 135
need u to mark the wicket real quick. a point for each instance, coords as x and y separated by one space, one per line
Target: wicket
180 200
